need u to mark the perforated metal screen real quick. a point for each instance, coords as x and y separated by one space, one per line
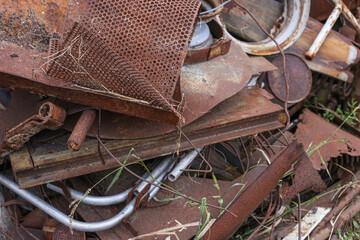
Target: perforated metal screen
133 45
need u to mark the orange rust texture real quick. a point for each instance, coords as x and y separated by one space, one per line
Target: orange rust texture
313 130
49 12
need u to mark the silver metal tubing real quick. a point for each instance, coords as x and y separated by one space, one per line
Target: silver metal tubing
156 185
165 165
183 164
93 200
63 218
113 199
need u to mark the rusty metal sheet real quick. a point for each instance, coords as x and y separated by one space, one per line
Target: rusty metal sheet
313 130
141 53
306 176
260 64
31 23
24 69
203 86
208 79
298 75
150 36
246 113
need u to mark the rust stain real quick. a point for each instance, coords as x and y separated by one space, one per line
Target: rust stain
30 23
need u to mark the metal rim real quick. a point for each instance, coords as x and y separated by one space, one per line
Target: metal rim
298 15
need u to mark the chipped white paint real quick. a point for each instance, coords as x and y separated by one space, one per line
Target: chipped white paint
308 223
352 55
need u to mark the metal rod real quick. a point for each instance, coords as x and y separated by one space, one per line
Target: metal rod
225 226
320 38
81 129
350 17
64 219
340 7
183 164
166 164
117 198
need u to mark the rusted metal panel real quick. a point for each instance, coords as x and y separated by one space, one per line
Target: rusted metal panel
299 78
31 23
23 69
306 177
204 85
226 225
155 77
246 113
27 66
314 131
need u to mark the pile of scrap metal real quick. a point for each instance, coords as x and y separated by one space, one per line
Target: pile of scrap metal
202 119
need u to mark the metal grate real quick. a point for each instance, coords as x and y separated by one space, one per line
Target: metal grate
151 35
88 62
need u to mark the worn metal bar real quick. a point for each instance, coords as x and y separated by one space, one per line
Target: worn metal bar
82 127
340 7
350 17
225 226
162 167
64 219
320 38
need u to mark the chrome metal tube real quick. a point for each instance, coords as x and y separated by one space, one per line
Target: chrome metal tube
63 218
93 200
113 199
183 164
165 165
